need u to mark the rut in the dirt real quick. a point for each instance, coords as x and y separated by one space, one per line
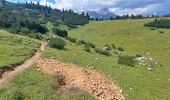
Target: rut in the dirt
88 80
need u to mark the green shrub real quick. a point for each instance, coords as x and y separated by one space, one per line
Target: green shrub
18 96
108 47
86 48
82 41
120 49
90 44
73 40
126 60
35 35
25 30
138 55
72 26
57 43
113 46
152 28
107 53
14 30
60 32
161 32
161 23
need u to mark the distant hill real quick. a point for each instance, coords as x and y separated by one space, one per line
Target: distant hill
102 13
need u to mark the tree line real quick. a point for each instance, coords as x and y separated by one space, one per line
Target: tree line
161 23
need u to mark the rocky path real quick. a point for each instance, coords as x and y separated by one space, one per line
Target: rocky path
18 69
69 75
85 79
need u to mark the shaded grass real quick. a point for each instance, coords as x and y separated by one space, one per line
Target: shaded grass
15 49
138 83
34 85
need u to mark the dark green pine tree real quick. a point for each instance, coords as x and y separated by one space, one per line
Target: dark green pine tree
3 2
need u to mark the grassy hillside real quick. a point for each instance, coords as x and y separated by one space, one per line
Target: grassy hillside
14 49
34 85
139 83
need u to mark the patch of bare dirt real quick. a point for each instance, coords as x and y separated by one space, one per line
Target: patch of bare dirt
70 75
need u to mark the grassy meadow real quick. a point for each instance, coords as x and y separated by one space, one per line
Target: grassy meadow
138 83
15 49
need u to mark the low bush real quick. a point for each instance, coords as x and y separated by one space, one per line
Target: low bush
73 40
108 47
57 43
82 42
72 26
107 53
161 32
25 30
18 96
35 35
60 32
120 49
90 44
113 46
152 28
159 23
126 60
86 48
138 55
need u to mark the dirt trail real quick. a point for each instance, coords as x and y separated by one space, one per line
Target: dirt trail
86 79
18 69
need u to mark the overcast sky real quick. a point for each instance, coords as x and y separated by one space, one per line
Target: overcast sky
119 7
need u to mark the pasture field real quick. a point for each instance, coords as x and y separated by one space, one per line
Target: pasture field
138 83
15 49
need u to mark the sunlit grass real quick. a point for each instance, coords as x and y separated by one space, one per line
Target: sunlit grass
14 49
138 83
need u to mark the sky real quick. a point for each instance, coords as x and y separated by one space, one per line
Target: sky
119 7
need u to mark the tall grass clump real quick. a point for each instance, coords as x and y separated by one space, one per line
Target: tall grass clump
106 53
113 46
90 44
73 40
126 60
120 49
86 48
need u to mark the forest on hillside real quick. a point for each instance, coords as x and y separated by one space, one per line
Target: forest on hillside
30 17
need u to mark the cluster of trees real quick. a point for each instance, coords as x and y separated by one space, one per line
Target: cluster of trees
32 25
124 17
162 23
20 25
3 2
29 18
37 12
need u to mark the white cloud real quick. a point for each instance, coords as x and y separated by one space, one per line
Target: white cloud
79 4
119 7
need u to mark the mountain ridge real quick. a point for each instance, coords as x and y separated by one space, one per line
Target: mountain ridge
103 13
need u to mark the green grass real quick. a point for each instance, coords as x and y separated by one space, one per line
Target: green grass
138 83
34 85
14 49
